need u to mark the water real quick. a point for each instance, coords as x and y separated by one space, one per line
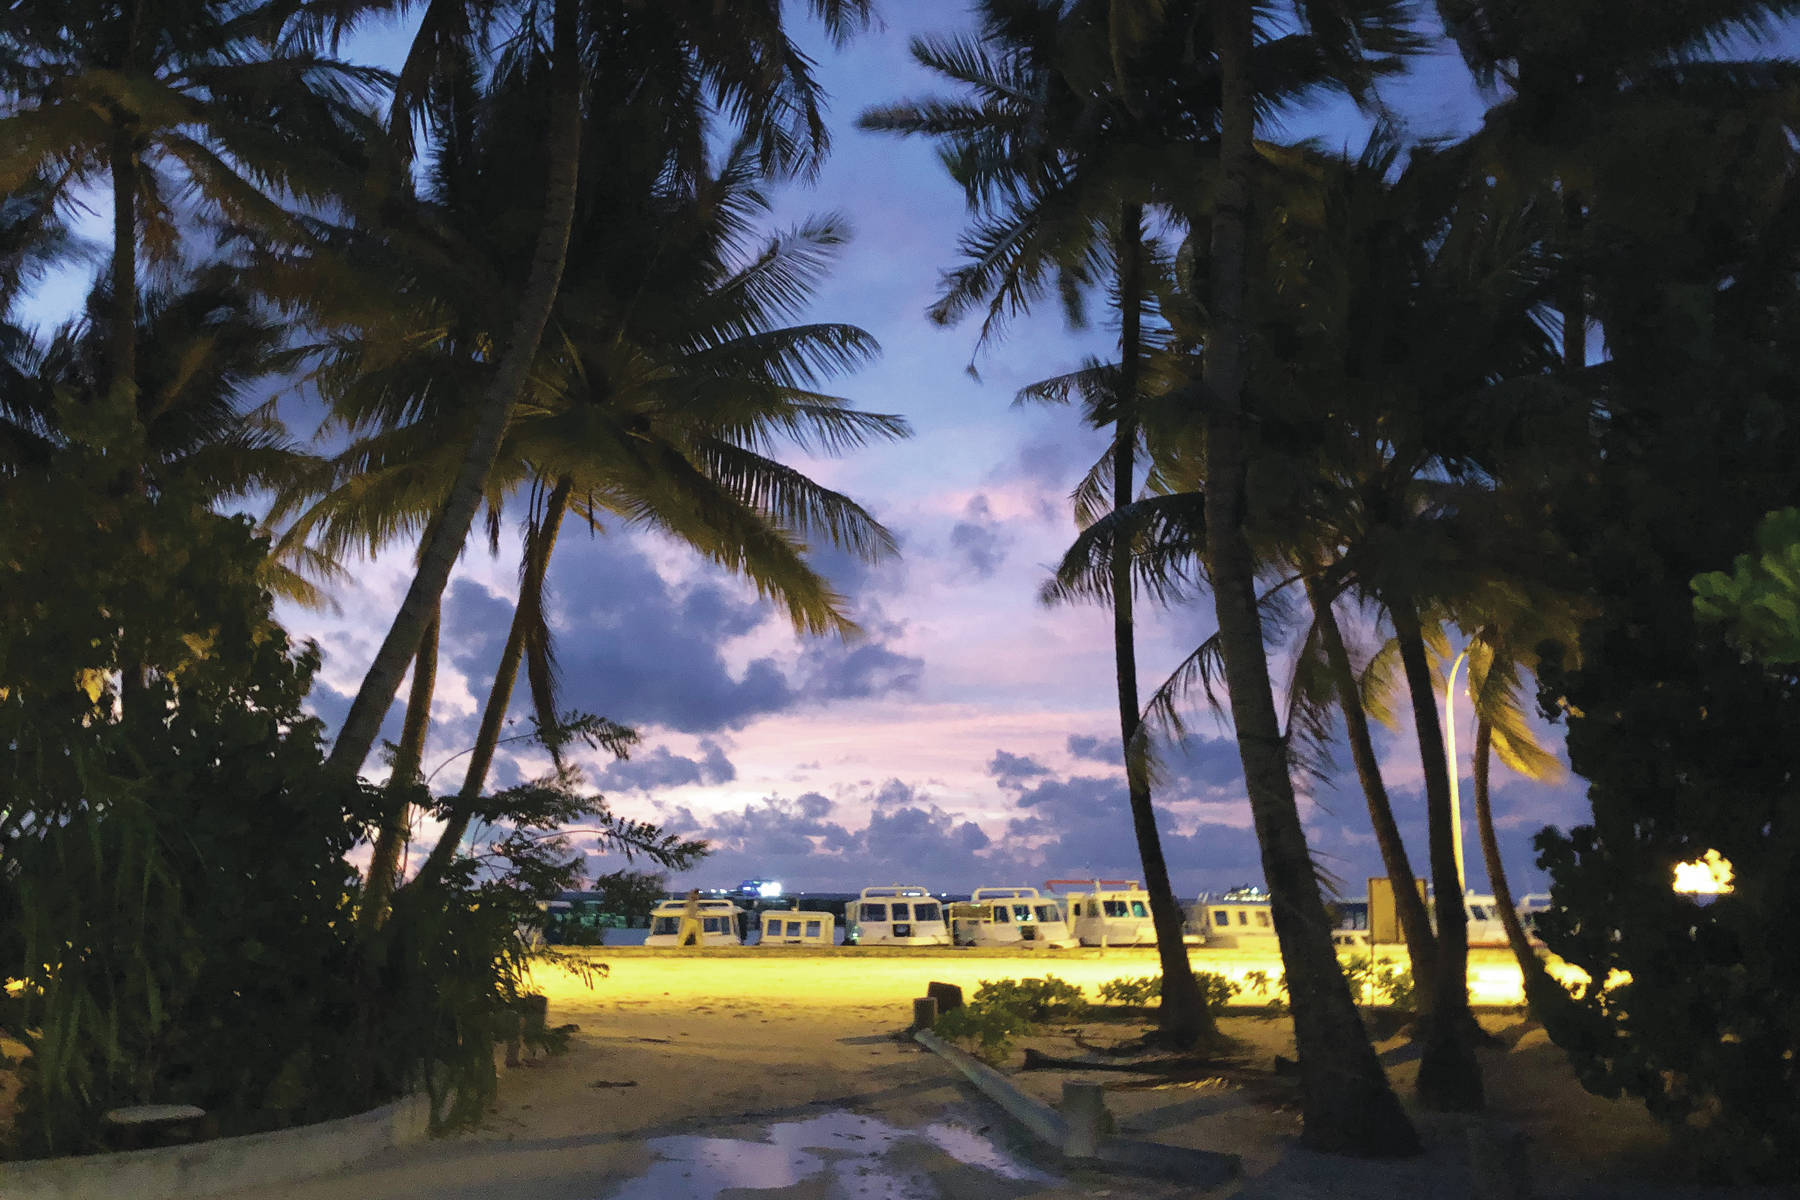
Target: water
847 1148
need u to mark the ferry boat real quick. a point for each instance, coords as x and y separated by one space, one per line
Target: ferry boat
1010 916
895 915
1240 919
1485 926
796 928
1108 912
695 921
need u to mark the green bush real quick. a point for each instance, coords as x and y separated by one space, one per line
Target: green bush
1216 990
1034 999
1005 1009
1140 992
1390 985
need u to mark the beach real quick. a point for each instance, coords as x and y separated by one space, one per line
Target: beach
726 1076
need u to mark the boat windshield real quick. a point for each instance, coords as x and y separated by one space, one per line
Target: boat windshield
926 911
665 925
873 912
1022 913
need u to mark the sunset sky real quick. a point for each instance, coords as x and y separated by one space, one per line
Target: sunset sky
969 737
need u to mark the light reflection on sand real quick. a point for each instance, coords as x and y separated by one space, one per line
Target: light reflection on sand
844 1151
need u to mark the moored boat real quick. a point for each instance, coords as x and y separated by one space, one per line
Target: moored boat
1010 916
796 928
1107 912
695 922
895 915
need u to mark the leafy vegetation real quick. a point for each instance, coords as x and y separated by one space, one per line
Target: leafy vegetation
1144 990
1006 1009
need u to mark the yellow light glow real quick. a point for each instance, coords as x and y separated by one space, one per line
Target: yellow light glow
1708 875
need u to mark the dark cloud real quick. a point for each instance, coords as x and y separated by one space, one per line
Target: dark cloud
631 647
977 539
1013 769
1096 749
661 769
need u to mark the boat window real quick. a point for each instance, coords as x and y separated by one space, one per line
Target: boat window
1478 911
926 911
713 924
1262 919
874 912
901 912
1221 917
1021 912
1243 917
1046 913
666 925
1114 908
1077 909
1138 909
815 929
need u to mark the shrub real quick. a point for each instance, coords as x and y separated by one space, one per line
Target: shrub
1216 990
1141 992
1034 999
1007 1008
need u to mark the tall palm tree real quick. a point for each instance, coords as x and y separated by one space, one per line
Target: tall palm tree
172 103
1065 141
665 62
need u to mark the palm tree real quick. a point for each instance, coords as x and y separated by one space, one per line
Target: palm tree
1064 144
664 61
172 102
1585 86
670 372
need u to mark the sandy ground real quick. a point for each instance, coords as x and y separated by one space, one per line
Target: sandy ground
716 1077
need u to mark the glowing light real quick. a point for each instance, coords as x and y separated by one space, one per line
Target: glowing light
769 889
1708 875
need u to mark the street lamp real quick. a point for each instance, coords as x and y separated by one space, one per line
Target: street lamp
1456 831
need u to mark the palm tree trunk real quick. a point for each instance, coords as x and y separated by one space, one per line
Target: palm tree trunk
121 390
1531 967
531 585
123 351
1415 922
1449 1076
384 864
440 552
1574 285
1346 1103
1181 1016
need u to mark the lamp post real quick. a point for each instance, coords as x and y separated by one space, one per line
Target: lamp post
1456 830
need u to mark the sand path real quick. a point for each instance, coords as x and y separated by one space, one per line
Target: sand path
718 1077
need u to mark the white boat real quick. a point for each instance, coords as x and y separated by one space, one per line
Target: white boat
1010 916
1108 912
796 928
695 922
895 915
1485 926
1240 919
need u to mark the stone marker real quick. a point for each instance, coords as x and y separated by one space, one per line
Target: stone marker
1084 1108
947 995
924 1013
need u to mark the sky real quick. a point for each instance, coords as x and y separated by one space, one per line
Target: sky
970 736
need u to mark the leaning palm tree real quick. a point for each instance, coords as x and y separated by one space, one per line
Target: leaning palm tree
666 62
669 375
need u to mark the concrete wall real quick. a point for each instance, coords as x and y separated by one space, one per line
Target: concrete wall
221 1165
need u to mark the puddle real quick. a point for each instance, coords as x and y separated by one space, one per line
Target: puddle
840 1154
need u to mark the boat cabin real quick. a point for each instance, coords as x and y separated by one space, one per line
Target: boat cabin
895 915
695 922
1107 912
795 928
1485 926
1240 919
1010 916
